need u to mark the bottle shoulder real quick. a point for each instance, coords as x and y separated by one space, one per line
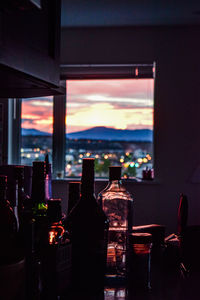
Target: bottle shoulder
86 212
115 192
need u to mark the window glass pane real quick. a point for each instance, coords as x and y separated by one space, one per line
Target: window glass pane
111 120
37 128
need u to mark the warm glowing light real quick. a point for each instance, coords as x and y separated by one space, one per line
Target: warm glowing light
36 155
51 237
81 155
120 104
121 160
148 157
145 160
88 154
127 153
22 150
96 156
100 114
69 166
106 156
139 160
28 155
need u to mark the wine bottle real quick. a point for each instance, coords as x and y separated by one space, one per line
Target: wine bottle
73 194
88 225
8 226
39 200
48 177
117 204
26 234
39 197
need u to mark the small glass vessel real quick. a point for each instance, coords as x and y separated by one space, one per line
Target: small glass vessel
117 204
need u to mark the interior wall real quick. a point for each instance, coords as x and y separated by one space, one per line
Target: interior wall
176 51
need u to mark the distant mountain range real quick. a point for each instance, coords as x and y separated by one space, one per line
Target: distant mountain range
34 132
102 133
111 134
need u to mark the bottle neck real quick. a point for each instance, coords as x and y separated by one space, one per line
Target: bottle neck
87 189
115 182
87 179
38 190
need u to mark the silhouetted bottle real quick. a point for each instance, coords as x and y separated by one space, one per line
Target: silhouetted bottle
39 200
88 224
39 197
57 261
48 177
8 226
117 204
73 194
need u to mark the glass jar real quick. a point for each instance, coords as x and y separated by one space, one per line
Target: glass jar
140 264
117 204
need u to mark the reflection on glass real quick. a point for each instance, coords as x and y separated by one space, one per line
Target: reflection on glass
115 293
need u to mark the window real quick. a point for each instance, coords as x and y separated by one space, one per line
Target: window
109 117
37 127
112 121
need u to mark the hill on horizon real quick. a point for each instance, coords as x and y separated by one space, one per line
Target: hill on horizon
35 132
101 133
111 134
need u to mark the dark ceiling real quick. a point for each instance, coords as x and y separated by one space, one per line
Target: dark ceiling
95 13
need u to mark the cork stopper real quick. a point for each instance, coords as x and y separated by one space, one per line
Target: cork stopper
115 173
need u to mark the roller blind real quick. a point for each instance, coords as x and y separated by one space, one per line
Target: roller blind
96 71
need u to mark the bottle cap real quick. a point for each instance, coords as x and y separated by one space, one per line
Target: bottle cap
115 173
3 181
88 171
140 238
88 163
54 211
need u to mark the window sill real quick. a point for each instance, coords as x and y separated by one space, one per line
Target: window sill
134 181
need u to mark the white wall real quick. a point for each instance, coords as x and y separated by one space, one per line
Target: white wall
176 51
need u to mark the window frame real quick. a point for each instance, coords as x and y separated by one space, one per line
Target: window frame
78 72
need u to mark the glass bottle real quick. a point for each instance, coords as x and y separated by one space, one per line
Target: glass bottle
88 226
8 226
39 201
56 263
73 194
39 196
26 234
57 233
117 204
48 177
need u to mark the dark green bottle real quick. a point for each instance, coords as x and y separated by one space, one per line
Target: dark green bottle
88 227
39 198
8 226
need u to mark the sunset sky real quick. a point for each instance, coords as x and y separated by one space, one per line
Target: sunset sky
121 104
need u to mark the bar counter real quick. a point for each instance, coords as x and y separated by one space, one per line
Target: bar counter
167 287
